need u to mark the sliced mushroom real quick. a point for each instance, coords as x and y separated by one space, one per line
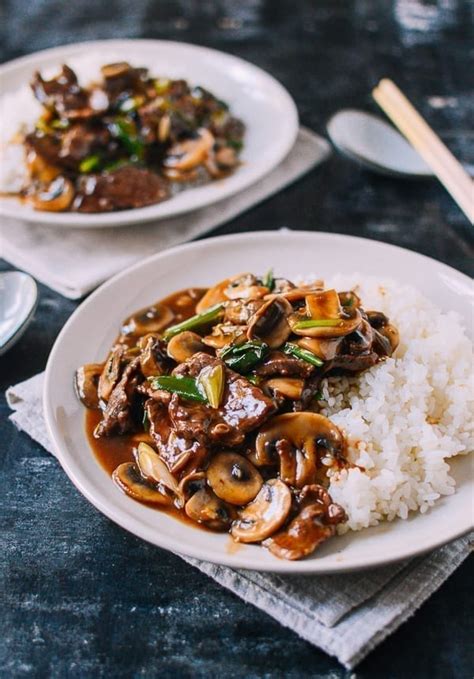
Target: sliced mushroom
315 523
226 157
152 319
297 294
349 299
153 359
56 198
325 349
308 444
111 372
270 322
184 345
223 334
86 383
329 327
265 515
185 155
214 295
191 483
289 387
40 169
246 286
323 304
233 478
128 478
153 469
240 311
206 508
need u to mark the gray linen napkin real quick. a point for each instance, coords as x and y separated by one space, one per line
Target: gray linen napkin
346 615
75 261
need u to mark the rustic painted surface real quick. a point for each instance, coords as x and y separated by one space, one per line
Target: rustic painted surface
82 597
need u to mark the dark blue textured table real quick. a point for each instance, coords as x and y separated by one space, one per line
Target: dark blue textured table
82 598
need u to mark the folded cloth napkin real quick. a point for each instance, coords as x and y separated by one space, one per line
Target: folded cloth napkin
75 261
346 615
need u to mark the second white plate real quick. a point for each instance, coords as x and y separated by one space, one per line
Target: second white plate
266 108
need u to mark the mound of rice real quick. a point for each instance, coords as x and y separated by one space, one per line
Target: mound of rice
406 416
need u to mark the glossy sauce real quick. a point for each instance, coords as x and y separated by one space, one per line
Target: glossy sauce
112 451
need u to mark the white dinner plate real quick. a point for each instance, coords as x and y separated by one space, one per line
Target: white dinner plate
90 331
266 108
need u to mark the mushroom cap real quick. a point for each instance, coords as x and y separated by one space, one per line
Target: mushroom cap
184 345
111 373
269 323
265 514
86 383
324 348
307 444
214 295
188 154
289 387
153 469
348 322
315 522
205 507
151 319
234 478
56 198
128 478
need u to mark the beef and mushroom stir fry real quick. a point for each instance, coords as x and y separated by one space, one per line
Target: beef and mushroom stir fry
126 141
216 394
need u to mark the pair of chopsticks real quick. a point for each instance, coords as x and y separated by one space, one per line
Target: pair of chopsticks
430 147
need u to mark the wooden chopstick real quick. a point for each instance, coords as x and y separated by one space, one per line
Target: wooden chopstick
420 135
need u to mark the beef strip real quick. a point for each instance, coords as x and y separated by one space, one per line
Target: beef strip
127 187
47 146
278 363
82 140
244 406
118 416
122 80
180 451
64 95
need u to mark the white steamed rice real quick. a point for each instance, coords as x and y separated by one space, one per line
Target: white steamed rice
406 416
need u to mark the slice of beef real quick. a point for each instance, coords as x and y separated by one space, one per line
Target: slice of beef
127 187
122 80
244 406
82 140
119 414
66 97
48 146
278 363
181 452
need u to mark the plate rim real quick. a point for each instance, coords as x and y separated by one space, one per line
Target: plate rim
122 518
123 218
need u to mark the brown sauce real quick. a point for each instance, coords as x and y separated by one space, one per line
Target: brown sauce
112 451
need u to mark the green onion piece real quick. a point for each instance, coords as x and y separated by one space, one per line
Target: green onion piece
235 144
212 380
318 323
88 164
161 85
197 321
253 379
243 357
269 280
125 131
187 387
305 355
60 124
131 104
